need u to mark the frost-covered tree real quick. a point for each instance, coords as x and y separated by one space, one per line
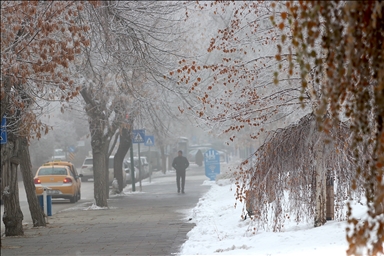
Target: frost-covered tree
348 71
130 48
241 93
38 40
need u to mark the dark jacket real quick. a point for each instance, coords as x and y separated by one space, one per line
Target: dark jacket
180 163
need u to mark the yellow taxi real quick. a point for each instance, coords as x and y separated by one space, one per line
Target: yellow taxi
61 180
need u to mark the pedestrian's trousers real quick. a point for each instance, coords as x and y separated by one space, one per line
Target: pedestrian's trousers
180 174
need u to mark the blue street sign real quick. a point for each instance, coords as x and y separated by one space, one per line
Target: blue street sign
149 140
138 136
212 163
71 149
3 135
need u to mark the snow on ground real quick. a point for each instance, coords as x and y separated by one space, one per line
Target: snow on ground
220 230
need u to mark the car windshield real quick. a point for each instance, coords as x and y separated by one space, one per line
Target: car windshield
52 171
59 153
88 161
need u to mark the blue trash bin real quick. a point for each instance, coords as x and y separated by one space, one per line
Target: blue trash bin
49 204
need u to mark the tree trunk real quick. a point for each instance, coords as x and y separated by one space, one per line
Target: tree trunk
125 143
37 213
330 196
100 145
100 171
320 194
13 216
106 175
101 134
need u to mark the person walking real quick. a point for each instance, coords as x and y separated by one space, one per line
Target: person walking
199 158
180 163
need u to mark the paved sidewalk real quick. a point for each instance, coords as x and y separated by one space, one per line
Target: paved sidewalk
152 222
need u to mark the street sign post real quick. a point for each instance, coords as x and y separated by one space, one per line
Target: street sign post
3 135
212 163
72 152
138 136
149 141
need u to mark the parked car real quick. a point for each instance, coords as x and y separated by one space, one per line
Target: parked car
61 178
192 153
87 169
59 154
144 168
154 159
111 171
127 169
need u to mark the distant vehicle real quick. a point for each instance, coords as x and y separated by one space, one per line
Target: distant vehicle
183 145
127 169
59 154
111 171
87 169
154 159
143 164
144 168
61 178
192 153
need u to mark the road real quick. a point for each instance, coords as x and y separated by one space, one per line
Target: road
57 204
87 195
